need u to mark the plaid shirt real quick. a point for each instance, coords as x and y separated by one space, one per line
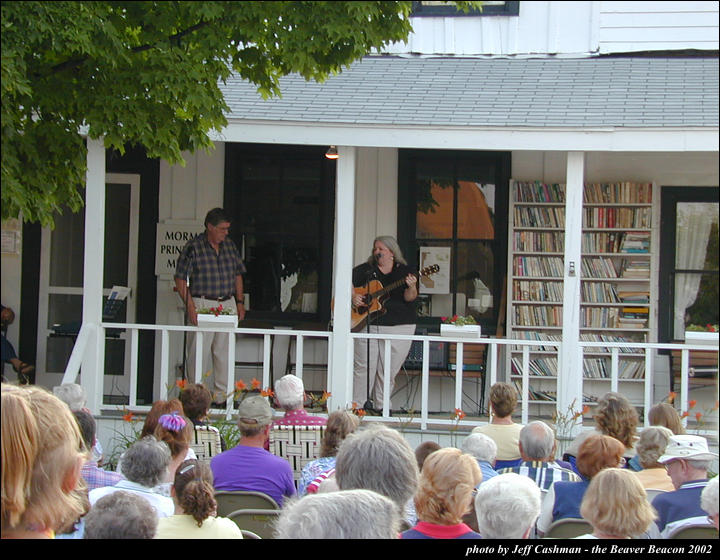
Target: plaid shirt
96 477
544 474
212 274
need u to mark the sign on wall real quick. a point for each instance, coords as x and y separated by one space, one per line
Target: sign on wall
170 240
437 283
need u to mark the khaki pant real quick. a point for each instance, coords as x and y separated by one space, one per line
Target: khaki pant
376 371
215 352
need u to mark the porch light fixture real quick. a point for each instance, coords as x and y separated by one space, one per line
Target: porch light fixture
331 153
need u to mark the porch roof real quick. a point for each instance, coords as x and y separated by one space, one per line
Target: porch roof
581 93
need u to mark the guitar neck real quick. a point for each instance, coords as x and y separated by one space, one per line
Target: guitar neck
388 288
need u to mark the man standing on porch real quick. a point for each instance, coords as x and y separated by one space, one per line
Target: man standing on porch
209 274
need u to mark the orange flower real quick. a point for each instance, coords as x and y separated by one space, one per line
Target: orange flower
325 396
717 405
360 412
267 393
128 417
586 409
685 414
698 415
671 397
691 404
255 383
459 414
181 383
240 385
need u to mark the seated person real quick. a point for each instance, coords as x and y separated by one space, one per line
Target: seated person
507 507
378 458
74 396
615 416
347 514
339 424
484 449
41 459
709 500
616 506
9 356
196 399
145 465
650 447
94 476
444 494
176 431
290 396
563 499
248 466
537 449
121 515
195 507
687 459
501 429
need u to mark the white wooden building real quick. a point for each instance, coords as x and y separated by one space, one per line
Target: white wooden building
555 92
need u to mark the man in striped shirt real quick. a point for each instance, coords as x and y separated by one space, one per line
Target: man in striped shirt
537 449
210 269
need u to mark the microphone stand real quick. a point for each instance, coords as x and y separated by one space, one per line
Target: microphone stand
185 317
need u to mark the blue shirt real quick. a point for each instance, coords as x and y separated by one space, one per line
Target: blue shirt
680 507
543 473
212 274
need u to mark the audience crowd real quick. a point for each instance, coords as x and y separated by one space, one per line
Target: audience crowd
505 482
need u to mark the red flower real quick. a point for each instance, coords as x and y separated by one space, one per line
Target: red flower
181 383
691 404
698 415
128 417
255 383
685 414
267 393
459 414
240 385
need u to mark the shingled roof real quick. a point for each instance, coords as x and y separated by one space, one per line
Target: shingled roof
632 92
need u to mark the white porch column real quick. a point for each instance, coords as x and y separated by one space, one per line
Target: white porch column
570 367
341 352
93 363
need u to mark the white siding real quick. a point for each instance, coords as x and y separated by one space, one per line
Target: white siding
567 29
651 26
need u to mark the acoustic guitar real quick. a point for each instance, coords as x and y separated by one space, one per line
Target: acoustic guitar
375 293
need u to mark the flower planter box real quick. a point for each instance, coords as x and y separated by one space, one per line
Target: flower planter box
463 331
210 321
701 337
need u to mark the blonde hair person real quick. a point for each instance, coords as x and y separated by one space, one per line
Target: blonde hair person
650 447
616 505
444 495
41 461
501 429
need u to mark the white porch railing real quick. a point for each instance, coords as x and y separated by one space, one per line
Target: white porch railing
491 376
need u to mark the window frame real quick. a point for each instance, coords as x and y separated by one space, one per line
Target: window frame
511 8
234 154
407 209
670 197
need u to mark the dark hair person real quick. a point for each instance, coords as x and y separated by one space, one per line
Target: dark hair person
195 507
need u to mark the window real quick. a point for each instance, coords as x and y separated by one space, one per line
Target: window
281 199
439 9
689 265
456 216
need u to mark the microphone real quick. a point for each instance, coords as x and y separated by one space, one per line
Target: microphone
378 256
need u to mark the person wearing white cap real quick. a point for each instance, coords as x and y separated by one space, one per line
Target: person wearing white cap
290 395
686 460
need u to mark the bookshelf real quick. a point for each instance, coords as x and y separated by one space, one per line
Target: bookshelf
617 277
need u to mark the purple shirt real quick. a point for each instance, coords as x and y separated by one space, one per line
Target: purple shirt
252 468
96 477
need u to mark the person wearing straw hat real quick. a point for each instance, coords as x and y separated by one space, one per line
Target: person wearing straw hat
686 459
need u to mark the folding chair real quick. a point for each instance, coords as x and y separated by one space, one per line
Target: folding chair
300 445
229 501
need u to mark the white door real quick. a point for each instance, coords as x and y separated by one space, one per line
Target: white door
61 282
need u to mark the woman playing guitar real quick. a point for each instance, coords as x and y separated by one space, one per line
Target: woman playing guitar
396 315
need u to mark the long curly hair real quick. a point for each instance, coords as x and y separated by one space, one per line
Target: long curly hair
616 417
194 490
339 424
